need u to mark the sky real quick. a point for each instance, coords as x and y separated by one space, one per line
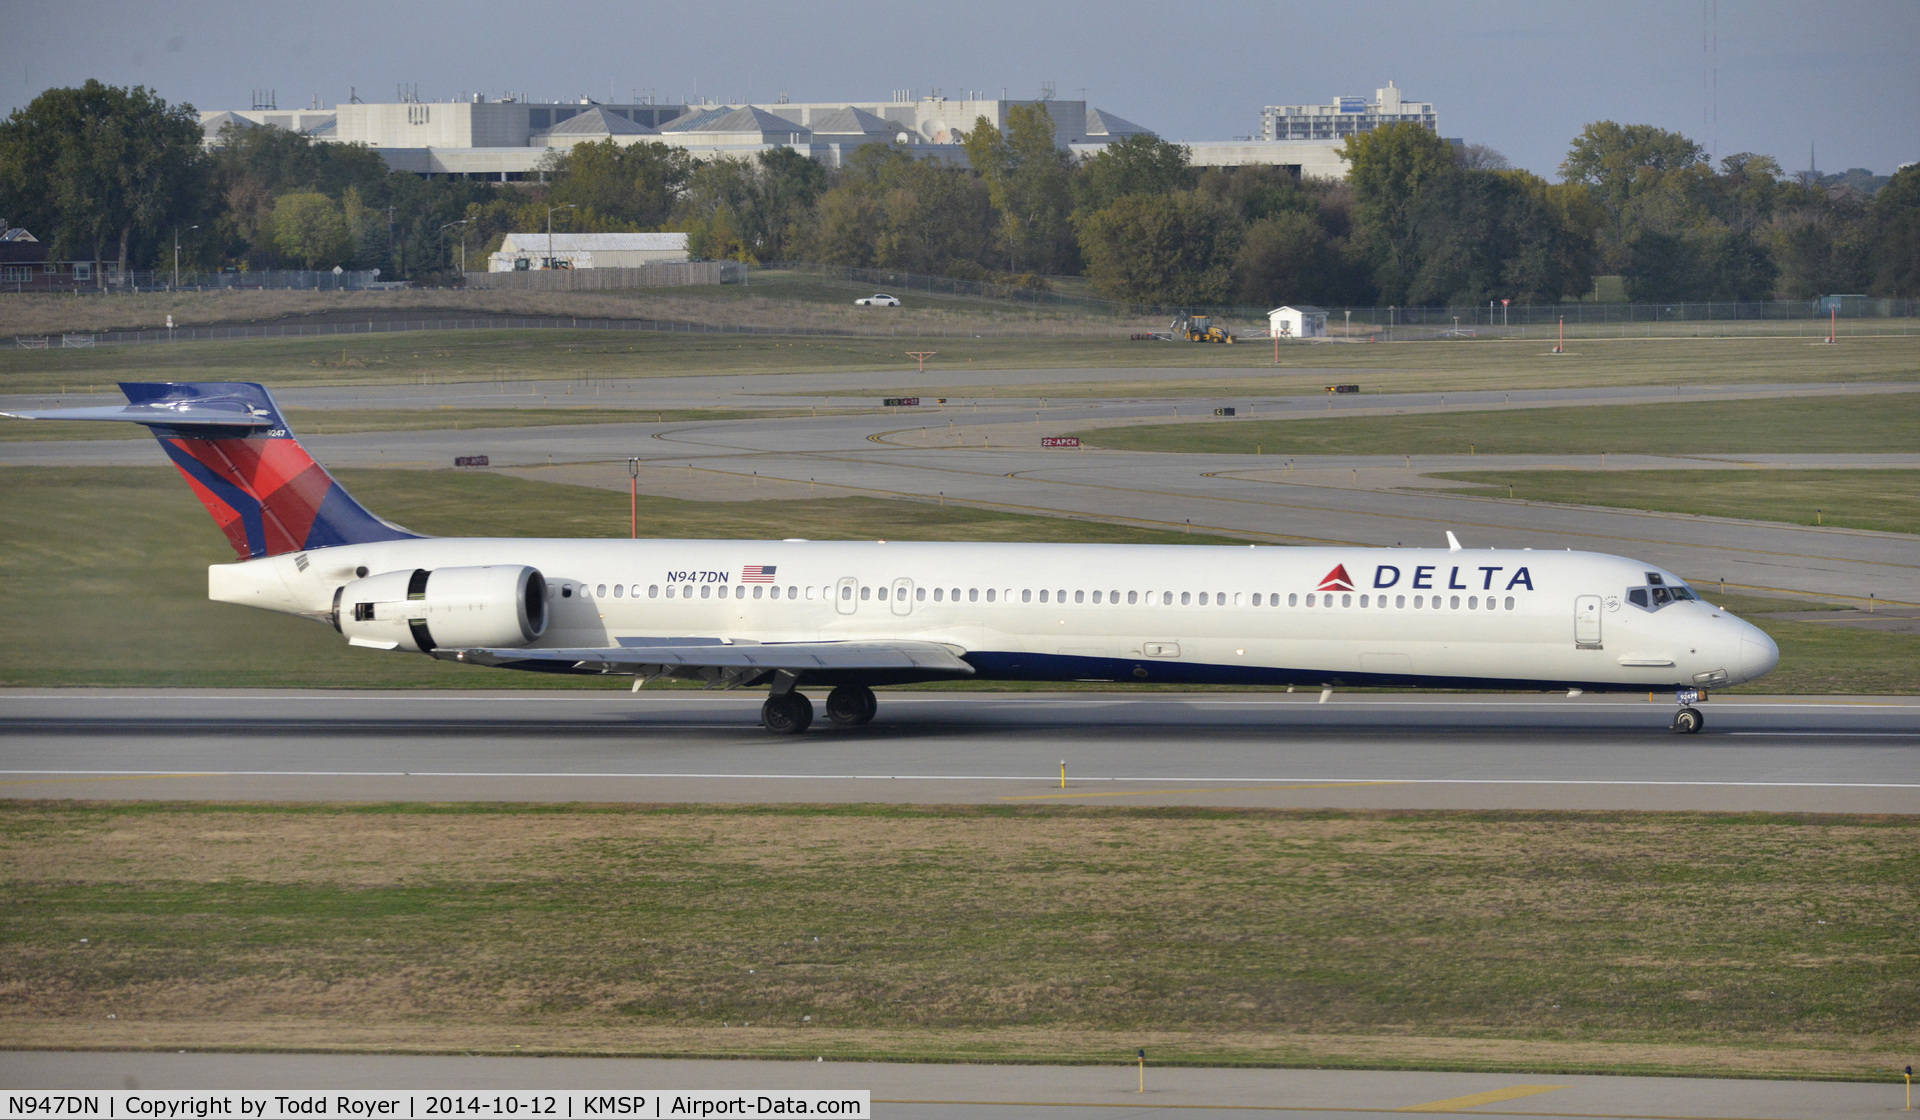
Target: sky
1522 78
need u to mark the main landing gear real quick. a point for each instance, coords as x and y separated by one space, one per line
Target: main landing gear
851 705
1688 720
790 712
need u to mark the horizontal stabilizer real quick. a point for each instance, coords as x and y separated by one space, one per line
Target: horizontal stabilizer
172 414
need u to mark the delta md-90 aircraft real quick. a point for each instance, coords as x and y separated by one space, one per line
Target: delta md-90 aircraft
850 615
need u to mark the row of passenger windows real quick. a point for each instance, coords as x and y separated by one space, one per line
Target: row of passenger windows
1046 595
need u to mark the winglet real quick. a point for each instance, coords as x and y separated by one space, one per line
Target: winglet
1453 542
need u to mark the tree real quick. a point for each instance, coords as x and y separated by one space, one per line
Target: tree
1138 164
1389 168
619 187
1892 230
101 164
1164 249
310 229
1287 258
1612 158
1029 182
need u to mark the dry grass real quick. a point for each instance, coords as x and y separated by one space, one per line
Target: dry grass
1685 942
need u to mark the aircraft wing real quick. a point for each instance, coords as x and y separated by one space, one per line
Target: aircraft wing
185 414
725 663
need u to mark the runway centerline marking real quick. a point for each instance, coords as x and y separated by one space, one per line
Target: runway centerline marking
1200 789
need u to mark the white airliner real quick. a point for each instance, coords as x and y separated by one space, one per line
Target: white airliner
850 615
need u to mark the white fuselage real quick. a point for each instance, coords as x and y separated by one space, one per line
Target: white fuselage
1200 614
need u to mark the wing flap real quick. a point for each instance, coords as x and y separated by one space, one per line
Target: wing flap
791 656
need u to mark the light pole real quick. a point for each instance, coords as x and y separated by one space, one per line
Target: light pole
463 241
176 253
550 210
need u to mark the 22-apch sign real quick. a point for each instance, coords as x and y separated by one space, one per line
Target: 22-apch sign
1059 441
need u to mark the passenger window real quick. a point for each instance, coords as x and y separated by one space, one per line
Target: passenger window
706 591
1132 598
773 592
973 594
1509 602
1312 599
1079 596
846 592
1473 602
1219 598
1419 601
1454 603
1400 602
1203 598
866 593
1060 595
1293 598
653 591
1043 594
566 591
758 592
619 590
1186 597
1166 598
1363 600
883 594
1346 600
989 594
1096 596
920 594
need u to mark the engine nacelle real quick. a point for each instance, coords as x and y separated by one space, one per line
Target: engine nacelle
502 607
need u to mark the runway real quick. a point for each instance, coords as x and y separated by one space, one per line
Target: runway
939 1092
1363 751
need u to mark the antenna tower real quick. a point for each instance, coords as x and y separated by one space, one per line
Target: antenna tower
1710 74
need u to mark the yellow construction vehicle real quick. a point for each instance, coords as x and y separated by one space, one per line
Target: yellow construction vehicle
1199 328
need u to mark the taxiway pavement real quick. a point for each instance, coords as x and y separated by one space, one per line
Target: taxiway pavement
1219 749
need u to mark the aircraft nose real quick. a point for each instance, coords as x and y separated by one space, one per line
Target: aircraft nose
1758 654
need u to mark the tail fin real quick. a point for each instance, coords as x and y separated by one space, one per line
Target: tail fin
234 447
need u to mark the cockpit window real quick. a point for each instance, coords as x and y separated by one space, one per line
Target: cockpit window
1661 597
1654 580
1682 592
1637 596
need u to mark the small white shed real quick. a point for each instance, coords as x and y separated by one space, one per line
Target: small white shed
1297 322
522 252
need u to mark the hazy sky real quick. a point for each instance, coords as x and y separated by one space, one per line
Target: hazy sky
1520 77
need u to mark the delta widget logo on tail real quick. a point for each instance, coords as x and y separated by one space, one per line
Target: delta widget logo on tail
1337 580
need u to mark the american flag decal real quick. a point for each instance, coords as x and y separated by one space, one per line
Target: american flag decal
758 573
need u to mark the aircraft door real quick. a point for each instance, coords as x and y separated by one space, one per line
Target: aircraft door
902 596
1586 622
846 595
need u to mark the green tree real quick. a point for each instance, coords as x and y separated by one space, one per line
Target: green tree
1389 168
1140 164
101 165
1892 236
1030 183
619 187
1614 158
1173 249
309 229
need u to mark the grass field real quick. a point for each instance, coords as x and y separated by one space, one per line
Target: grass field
106 574
106 569
521 355
1840 425
1883 500
1605 942
340 421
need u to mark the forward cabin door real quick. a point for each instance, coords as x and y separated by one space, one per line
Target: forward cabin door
846 595
902 596
1586 622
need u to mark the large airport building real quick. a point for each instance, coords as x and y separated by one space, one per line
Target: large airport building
508 138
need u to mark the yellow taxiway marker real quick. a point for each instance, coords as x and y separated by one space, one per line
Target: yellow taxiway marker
1190 789
1491 1096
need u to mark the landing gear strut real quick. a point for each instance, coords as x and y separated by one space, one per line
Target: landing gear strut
1688 720
787 713
851 705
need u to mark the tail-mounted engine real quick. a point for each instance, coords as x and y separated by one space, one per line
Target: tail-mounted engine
502 607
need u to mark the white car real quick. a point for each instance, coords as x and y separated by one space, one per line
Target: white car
877 299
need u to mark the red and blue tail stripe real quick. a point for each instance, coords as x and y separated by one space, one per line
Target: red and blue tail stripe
264 491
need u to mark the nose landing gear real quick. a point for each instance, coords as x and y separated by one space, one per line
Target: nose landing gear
1688 720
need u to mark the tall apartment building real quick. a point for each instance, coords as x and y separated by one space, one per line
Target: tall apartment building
1343 118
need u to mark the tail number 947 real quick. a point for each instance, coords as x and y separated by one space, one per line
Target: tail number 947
699 577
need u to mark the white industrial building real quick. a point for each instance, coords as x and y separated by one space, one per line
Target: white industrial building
1344 117
1297 322
509 139
533 252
